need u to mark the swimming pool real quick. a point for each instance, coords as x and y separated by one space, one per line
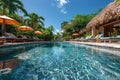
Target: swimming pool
62 61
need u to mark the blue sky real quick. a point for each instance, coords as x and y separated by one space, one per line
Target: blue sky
57 11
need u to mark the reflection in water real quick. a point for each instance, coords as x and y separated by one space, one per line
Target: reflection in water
7 65
1 65
12 63
9 56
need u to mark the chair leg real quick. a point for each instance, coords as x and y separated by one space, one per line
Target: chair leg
110 41
1 65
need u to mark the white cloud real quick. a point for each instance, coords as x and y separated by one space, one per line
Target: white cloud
62 31
57 30
61 5
63 2
63 11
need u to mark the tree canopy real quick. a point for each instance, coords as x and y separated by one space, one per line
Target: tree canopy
75 25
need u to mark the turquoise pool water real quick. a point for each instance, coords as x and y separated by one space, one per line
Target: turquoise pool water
61 61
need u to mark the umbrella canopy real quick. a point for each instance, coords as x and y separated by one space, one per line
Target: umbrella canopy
75 34
7 20
38 32
25 28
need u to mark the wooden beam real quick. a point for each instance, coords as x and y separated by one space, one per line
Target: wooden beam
111 23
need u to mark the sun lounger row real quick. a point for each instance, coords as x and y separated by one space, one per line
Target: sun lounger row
100 39
110 39
12 40
1 40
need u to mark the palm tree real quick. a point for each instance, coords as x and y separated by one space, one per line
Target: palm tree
34 20
18 18
117 0
11 6
48 33
63 24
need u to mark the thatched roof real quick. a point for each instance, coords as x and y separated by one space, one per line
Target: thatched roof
110 14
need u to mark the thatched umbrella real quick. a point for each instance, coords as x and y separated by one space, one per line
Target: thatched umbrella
110 14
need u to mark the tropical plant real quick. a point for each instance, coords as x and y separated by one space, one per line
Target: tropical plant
57 36
80 21
75 25
34 20
11 6
47 33
63 24
117 0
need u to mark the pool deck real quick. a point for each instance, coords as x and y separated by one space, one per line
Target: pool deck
109 45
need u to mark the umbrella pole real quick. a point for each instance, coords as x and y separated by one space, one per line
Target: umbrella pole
3 28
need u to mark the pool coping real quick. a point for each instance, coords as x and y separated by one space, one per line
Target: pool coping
111 48
21 43
16 44
107 45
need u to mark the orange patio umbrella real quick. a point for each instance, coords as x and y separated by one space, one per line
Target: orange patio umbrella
7 20
75 34
38 32
25 28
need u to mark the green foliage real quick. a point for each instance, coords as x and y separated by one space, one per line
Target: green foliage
11 6
63 24
114 33
87 35
47 34
34 20
117 0
57 36
75 25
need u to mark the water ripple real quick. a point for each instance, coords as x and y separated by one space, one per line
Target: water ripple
63 61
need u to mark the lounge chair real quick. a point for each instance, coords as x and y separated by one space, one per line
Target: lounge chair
36 39
2 39
110 39
98 37
91 39
88 39
9 37
5 71
1 65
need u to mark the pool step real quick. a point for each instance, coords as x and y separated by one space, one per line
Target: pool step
5 71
